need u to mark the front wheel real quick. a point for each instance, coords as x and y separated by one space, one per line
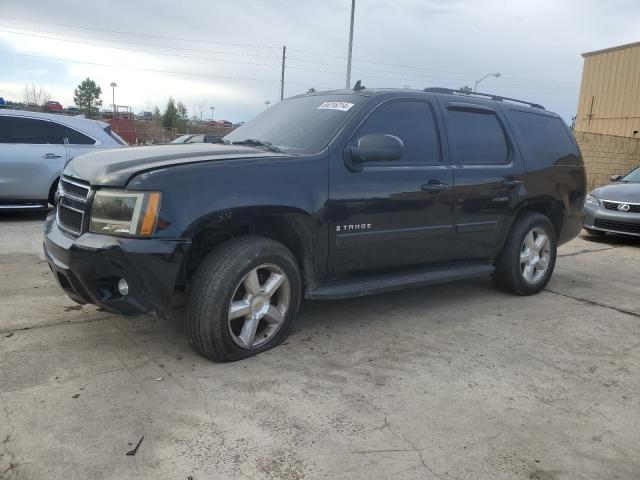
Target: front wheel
242 299
528 258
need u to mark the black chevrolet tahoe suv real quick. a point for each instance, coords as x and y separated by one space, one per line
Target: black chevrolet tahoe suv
323 196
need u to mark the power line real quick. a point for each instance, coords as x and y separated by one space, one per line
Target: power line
119 32
202 50
141 51
154 70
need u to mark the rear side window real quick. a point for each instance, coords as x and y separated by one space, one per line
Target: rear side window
545 140
413 122
60 132
23 130
477 137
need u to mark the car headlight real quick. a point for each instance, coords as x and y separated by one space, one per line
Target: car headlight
591 200
120 212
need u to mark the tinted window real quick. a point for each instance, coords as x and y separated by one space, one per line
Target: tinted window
477 137
411 121
23 130
60 132
301 124
545 140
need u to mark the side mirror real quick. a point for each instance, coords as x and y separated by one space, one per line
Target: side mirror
615 178
375 147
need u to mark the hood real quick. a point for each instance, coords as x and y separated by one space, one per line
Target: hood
619 192
116 167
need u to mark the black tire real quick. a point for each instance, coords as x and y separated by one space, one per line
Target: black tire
213 285
52 192
596 233
508 275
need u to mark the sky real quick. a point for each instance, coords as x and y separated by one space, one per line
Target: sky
227 54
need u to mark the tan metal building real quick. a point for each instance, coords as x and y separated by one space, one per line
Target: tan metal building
610 92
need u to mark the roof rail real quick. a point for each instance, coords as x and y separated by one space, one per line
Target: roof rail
496 98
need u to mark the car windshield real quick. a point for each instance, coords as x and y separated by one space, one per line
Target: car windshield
302 125
182 139
633 176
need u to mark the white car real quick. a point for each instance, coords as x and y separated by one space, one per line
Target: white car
34 149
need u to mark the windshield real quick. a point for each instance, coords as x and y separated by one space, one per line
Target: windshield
633 176
299 125
182 139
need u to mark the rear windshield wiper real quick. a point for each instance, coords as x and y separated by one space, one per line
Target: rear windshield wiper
252 142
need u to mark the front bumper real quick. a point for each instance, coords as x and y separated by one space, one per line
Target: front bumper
89 267
602 219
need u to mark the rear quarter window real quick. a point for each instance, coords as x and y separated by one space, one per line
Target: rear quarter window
544 140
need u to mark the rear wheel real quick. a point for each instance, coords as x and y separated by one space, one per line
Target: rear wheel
528 258
242 299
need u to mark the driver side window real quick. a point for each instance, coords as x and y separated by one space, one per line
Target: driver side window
414 123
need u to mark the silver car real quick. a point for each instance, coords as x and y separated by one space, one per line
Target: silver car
615 208
34 149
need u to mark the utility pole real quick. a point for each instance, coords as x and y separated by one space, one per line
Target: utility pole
284 51
348 82
113 98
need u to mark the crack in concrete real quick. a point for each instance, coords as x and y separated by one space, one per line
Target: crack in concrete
594 303
13 465
582 252
56 324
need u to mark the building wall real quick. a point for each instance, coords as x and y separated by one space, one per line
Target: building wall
606 155
610 92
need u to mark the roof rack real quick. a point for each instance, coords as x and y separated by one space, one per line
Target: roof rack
496 98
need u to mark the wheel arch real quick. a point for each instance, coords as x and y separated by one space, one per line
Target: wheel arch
292 227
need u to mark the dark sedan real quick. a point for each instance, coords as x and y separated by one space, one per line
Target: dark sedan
615 208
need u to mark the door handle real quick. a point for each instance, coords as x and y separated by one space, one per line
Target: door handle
51 155
434 187
512 183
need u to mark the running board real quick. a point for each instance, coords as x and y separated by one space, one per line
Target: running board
359 287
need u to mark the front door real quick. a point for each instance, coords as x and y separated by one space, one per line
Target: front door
30 161
392 213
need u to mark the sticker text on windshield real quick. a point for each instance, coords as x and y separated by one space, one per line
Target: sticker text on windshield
342 106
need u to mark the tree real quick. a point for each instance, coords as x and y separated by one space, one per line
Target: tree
157 116
36 95
170 116
182 111
87 96
466 90
202 108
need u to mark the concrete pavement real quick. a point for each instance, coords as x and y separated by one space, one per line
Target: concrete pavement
455 381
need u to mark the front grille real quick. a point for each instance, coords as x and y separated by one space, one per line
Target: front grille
618 226
72 205
75 189
70 219
609 205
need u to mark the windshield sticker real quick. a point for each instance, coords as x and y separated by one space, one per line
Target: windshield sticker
342 106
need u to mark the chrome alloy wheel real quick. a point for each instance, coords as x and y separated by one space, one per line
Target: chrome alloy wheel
535 255
258 306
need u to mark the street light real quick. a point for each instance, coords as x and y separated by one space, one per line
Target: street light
487 75
267 103
113 90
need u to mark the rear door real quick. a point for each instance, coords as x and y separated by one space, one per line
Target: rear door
488 177
392 213
30 158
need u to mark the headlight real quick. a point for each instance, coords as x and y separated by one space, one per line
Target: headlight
119 212
591 200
